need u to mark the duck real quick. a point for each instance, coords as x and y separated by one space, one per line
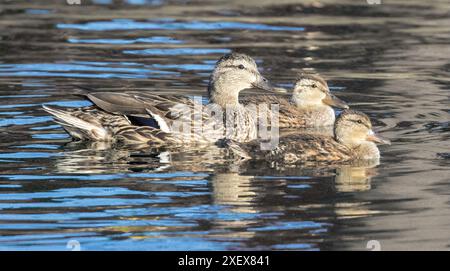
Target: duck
310 104
353 140
135 118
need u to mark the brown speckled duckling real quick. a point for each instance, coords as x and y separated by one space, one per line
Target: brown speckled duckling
310 104
353 140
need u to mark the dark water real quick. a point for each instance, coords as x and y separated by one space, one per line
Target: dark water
391 61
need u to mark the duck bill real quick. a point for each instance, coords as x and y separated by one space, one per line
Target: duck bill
377 139
264 84
334 101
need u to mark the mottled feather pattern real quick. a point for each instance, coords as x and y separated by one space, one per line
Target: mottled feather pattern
173 108
116 128
298 148
290 116
241 124
177 109
170 108
352 141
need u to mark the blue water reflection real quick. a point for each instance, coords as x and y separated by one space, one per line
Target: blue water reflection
171 24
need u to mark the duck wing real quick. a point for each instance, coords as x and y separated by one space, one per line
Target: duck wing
144 109
294 149
168 113
118 103
289 116
134 103
173 110
166 106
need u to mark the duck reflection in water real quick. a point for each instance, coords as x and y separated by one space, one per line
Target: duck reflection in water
247 199
230 179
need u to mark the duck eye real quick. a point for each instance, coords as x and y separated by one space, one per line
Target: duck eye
359 121
314 85
241 67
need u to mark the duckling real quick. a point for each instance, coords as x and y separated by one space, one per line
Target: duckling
353 140
309 105
144 117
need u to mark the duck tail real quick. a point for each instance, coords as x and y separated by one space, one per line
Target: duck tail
76 126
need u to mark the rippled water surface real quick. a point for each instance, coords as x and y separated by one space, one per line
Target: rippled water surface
391 61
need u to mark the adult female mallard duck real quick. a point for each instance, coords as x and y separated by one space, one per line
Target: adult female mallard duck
353 140
135 117
310 104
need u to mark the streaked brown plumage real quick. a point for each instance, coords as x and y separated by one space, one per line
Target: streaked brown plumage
95 124
353 140
309 105
151 118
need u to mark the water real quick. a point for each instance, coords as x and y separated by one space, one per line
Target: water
391 61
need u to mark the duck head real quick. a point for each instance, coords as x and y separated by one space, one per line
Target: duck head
354 129
233 73
312 90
